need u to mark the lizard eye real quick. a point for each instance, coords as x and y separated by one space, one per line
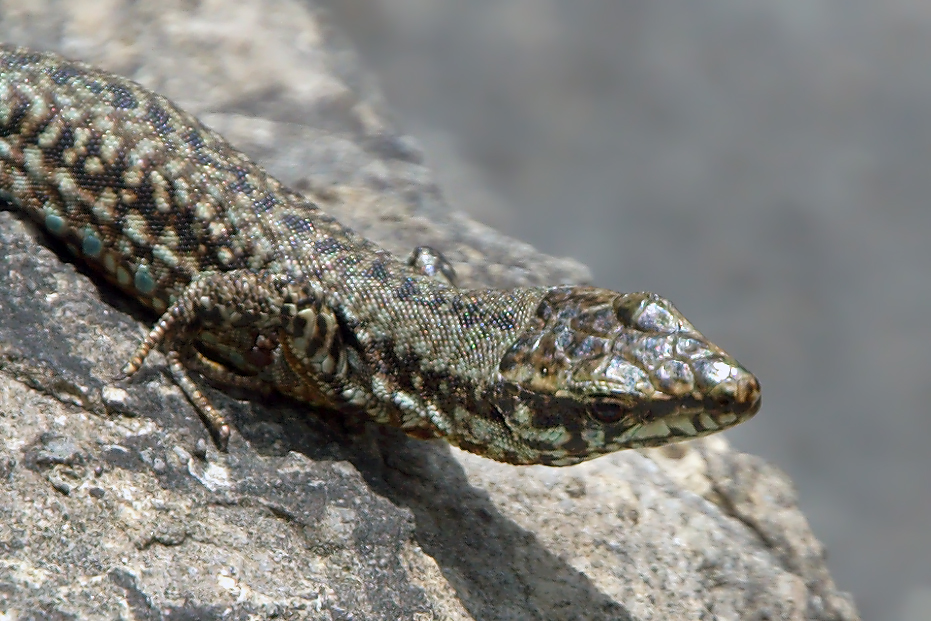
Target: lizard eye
608 412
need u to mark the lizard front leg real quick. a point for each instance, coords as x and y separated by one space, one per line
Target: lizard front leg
239 301
261 305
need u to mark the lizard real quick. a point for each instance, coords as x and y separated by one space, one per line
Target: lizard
256 287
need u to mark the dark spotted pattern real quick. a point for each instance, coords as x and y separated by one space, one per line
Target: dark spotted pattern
279 296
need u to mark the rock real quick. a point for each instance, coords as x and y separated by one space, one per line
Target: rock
113 505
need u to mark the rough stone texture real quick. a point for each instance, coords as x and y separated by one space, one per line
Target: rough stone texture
113 506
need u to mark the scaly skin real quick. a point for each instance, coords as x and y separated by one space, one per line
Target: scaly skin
257 287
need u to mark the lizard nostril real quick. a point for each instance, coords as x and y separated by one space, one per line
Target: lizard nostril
748 392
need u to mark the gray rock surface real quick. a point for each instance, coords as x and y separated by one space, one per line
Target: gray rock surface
112 505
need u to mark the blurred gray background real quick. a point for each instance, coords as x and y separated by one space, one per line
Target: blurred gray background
766 165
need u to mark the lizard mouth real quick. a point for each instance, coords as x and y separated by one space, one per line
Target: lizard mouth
730 404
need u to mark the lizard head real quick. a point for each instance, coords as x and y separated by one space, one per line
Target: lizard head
598 371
